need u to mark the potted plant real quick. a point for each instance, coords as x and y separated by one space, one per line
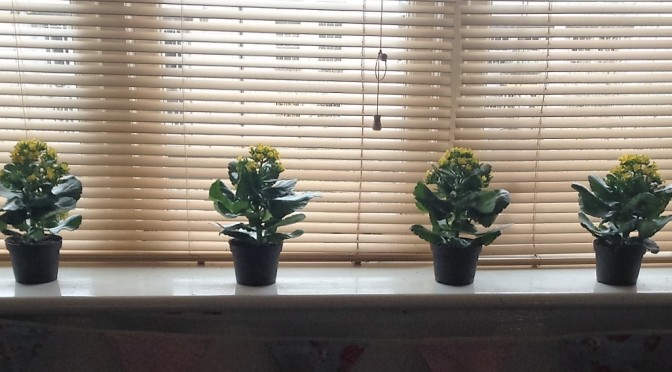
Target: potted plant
268 203
40 192
457 203
631 198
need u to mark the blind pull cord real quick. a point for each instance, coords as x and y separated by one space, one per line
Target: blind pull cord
381 62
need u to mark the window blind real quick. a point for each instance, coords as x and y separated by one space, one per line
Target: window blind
552 91
148 101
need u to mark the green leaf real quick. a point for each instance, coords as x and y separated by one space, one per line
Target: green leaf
500 200
664 200
285 184
15 217
463 226
236 226
238 207
667 190
224 200
240 235
472 182
35 235
223 210
664 195
289 220
240 231
589 203
7 193
648 228
70 187
639 185
269 173
650 246
625 228
441 224
293 234
13 204
599 188
42 201
429 202
486 238
279 189
286 205
461 243
65 204
427 235
492 202
220 192
248 187
279 237
588 225
447 174
646 205
485 202
70 223
234 176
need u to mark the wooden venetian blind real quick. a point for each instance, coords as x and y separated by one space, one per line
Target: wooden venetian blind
552 91
149 100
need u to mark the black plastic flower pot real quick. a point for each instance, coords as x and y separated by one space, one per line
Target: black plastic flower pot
618 266
455 266
255 265
35 263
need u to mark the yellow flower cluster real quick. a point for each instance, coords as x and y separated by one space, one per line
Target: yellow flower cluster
459 160
37 162
28 150
262 154
261 159
637 166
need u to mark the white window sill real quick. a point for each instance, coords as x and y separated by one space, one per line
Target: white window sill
319 280
341 301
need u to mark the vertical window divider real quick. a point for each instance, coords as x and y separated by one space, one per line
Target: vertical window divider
455 72
535 190
362 64
18 67
184 136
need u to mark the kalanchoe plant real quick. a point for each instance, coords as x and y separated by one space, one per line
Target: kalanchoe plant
457 201
39 191
265 200
632 197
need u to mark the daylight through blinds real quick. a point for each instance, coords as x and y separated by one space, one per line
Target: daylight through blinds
149 100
